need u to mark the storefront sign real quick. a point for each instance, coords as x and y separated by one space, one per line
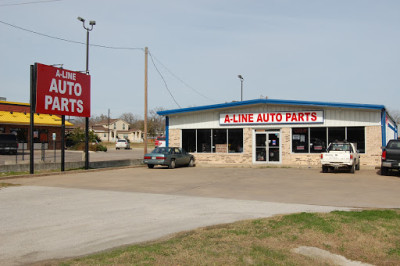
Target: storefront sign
299 117
62 92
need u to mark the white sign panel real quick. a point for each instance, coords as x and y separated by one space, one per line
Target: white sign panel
299 117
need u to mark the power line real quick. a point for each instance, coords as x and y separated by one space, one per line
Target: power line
114 48
196 91
70 41
165 83
32 2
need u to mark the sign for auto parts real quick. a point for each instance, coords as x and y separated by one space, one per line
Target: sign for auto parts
62 92
298 117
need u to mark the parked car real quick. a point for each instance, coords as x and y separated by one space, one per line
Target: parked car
339 155
122 144
390 156
8 143
169 156
160 142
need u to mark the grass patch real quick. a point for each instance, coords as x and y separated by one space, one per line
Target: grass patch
370 236
3 185
12 173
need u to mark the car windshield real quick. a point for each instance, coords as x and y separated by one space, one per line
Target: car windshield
121 140
161 150
393 145
339 147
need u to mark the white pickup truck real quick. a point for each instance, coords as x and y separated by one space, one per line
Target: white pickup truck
340 155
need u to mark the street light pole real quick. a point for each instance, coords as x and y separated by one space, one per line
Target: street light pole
241 87
88 29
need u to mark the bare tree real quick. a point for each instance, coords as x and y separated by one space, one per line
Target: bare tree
395 114
156 123
133 120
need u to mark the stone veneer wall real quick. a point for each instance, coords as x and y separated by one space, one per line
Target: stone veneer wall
371 158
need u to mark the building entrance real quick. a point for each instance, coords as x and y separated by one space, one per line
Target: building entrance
267 147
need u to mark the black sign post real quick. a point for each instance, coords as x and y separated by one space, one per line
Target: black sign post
62 143
32 114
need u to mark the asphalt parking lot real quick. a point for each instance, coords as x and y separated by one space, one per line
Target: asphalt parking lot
73 214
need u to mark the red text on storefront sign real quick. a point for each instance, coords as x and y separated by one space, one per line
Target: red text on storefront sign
62 92
272 118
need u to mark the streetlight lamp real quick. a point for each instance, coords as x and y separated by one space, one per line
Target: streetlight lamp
241 87
91 23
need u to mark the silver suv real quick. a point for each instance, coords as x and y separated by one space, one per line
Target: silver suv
122 144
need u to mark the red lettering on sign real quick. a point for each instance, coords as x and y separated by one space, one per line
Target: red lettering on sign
259 118
234 119
313 116
288 116
294 117
251 119
301 117
279 117
273 117
227 119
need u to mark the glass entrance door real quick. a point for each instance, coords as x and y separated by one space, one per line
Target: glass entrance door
273 147
267 147
261 147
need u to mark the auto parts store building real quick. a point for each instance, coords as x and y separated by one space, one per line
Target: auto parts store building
283 132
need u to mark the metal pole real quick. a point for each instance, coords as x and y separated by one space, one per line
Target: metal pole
146 51
32 113
54 148
87 118
241 89
62 143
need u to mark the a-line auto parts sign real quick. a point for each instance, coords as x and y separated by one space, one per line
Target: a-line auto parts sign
298 117
62 92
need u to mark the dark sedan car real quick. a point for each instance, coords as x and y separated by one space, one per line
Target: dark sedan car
168 156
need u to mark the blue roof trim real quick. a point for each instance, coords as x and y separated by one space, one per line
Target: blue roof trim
272 101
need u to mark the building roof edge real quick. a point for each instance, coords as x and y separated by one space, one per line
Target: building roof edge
272 101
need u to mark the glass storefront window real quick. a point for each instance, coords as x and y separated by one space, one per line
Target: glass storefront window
213 140
336 134
317 139
300 140
357 135
235 140
220 144
204 140
189 140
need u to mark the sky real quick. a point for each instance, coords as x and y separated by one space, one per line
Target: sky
314 50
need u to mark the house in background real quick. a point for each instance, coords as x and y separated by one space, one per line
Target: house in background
117 129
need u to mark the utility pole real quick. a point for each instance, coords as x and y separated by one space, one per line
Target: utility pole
146 52
108 125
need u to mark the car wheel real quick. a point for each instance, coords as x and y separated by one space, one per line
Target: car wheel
353 169
117 148
325 169
171 164
358 166
151 166
384 170
191 163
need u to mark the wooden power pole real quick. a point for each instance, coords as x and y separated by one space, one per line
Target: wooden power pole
146 52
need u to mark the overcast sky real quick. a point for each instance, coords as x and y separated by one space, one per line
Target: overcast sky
317 50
